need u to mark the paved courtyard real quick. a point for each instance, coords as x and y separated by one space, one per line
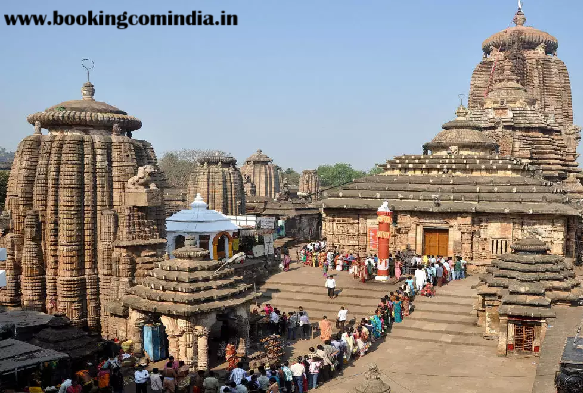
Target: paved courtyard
437 349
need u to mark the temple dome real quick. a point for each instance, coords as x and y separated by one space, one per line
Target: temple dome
258 156
461 133
199 219
85 112
530 38
530 245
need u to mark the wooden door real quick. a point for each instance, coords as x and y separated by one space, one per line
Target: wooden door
435 241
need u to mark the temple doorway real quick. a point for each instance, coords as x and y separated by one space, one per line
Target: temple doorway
222 332
179 242
435 241
155 339
222 246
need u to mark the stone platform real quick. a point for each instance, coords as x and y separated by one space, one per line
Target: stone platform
438 348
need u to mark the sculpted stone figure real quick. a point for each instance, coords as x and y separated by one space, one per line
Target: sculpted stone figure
143 179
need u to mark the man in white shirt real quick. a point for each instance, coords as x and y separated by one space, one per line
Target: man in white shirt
298 374
141 378
341 318
331 285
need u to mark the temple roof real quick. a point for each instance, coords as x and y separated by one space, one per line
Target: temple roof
216 158
529 37
188 285
418 183
258 156
531 245
85 112
199 219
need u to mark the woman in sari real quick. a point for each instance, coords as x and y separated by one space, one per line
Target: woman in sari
377 325
339 262
169 375
398 266
361 341
405 306
397 310
286 262
349 342
362 272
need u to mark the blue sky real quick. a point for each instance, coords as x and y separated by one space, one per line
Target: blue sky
309 82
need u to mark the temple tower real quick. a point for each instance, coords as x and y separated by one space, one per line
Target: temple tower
85 210
520 95
218 180
310 183
259 171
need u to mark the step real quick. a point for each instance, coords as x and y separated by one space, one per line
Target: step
436 338
444 300
321 298
319 289
315 309
436 327
429 316
445 308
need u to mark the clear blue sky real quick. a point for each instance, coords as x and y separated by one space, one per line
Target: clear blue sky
309 82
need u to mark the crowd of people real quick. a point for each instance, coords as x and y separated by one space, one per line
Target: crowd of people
436 269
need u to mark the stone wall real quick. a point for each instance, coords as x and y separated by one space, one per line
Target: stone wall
478 237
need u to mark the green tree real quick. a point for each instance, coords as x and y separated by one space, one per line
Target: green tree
375 171
293 178
337 174
3 187
177 165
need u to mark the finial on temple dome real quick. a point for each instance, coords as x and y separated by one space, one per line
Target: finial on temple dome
88 90
519 18
461 111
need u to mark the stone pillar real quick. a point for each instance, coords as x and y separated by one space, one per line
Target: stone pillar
243 329
135 324
503 336
384 218
173 333
202 334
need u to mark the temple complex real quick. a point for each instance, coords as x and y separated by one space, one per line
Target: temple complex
187 295
261 176
85 209
220 183
505 167
515 297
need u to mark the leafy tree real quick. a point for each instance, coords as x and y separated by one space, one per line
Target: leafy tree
3 187
337 174
293 178
177 165
375 171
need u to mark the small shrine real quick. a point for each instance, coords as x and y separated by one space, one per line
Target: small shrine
515 299
373 382
209 229
189 296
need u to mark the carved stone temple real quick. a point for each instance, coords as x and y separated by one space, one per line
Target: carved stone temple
86 215
309 184
515 298
503 169
220 183
261 176
186 295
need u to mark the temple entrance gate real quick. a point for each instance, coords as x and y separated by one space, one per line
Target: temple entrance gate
435 241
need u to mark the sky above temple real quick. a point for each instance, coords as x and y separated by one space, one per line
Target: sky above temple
309 82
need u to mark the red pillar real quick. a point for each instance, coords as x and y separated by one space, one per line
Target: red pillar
384 218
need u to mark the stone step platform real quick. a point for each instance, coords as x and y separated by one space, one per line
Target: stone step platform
444 317
316 310
438 338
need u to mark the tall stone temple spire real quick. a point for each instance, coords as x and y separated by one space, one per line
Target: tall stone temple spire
86 213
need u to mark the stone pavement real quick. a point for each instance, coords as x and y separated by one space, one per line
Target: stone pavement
565 325
437 349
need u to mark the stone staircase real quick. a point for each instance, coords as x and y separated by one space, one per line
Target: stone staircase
446 318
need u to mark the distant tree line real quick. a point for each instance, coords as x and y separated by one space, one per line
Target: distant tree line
179 164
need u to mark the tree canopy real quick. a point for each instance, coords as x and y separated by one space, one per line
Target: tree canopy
337 174
177 165
3 187
293 178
